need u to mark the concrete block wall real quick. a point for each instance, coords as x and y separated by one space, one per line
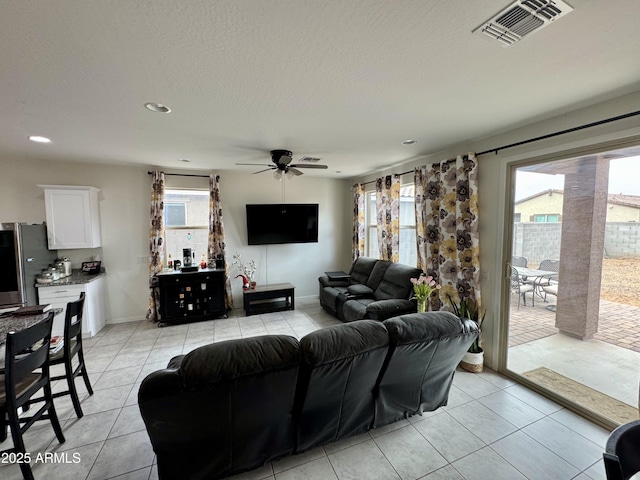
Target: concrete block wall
622 239
537 241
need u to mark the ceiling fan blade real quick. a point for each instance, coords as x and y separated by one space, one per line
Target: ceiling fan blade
320 167
255 164
295 171
265 170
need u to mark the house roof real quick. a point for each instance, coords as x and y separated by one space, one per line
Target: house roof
344 81
616 199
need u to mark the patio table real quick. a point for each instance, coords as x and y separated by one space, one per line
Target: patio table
538 276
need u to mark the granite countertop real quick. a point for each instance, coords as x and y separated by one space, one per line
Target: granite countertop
10 323
76 278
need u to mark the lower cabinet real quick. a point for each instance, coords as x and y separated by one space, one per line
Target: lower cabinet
93 318
191 296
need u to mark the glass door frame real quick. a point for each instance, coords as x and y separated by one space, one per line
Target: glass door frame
503 269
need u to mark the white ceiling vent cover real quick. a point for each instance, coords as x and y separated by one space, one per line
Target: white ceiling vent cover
309 160
521 19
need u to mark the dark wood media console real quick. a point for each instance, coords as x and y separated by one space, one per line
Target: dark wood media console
191 296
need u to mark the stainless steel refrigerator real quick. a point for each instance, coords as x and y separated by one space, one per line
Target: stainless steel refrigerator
23 254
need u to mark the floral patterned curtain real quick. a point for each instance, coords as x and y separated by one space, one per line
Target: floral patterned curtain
358 221
388 216
446 202
156 242
216 243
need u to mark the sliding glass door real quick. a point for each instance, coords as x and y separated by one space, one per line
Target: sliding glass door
574 310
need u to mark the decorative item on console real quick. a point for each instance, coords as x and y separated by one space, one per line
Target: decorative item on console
247 271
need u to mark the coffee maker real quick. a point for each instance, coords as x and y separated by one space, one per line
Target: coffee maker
187 260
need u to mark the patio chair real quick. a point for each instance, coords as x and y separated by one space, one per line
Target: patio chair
549 285
622 452
519 261
520 288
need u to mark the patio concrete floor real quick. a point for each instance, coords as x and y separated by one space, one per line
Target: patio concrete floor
609 363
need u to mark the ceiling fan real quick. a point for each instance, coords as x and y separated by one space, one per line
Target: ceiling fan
282 164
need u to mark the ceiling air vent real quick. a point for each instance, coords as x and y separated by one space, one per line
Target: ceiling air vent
521 19
309 160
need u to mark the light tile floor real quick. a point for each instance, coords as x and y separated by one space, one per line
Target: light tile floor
491 429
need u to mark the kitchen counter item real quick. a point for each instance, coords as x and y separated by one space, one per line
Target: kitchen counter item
76 278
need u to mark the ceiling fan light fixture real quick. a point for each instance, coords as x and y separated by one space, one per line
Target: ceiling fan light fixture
290 174
277 174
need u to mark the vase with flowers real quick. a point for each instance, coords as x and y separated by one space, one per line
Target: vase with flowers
247 272
423 287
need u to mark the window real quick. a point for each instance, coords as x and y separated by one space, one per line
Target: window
516 217
546 218
407 250
186 221
175 214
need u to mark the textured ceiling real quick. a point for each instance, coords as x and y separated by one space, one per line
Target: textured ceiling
345 81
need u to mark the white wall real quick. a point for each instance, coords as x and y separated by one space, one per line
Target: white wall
494 199
124 210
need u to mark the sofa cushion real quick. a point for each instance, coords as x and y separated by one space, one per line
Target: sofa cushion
339 369
361 269
359 291
396 282
377 273
233 359
356 309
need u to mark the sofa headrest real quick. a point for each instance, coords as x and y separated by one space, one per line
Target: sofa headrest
379 271
361 269
233 359
343 341
420 327
396 282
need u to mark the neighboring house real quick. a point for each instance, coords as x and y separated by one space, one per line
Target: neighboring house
546 207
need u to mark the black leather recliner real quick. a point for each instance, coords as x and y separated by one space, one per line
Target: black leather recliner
233 406
222 408
422 360
340 367
375 289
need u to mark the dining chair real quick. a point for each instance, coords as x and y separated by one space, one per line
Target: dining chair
520 288
622 452
71 348
26 373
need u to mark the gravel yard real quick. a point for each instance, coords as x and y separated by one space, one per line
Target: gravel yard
621 280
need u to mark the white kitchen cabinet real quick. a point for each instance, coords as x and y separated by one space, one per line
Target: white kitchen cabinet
93 318
73 216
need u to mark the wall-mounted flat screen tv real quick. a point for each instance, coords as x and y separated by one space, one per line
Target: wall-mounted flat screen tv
282 223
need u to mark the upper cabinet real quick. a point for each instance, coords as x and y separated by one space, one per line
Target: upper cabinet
73 216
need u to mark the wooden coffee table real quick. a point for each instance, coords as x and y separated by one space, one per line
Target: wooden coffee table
276 297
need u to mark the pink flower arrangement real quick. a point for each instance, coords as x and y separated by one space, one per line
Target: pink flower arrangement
423 286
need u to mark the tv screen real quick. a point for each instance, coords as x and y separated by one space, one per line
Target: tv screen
282 223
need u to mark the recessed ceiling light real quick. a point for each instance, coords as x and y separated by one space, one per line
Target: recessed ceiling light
184 160
409 142
157 107
39 139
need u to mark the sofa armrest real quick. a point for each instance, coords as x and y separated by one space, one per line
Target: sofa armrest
327 282
383 309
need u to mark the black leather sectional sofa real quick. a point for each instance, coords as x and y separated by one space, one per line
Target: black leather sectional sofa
233 406
375 289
